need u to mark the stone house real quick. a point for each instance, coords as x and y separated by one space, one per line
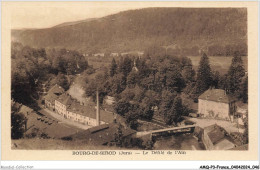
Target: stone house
215 103
52 95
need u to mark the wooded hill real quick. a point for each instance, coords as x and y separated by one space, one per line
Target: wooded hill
216 28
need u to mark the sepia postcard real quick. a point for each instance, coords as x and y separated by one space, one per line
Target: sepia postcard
129 81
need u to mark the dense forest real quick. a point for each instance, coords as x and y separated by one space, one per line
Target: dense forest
163 83
156 82
216 31
31 67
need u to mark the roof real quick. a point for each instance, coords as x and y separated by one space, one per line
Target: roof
65 99
216 134
90 111
242 111
224 144
25 110
217 95
102 134
51 97
56 89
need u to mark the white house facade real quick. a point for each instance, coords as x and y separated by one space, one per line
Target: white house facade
215 103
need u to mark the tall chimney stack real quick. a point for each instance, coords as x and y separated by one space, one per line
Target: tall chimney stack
98 113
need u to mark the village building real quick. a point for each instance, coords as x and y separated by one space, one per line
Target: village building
104 134
114 55
215 137
85 54
109 100
99 55
215 103
52 95
63 104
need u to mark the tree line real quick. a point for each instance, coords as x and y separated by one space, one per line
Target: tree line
157 81
31 67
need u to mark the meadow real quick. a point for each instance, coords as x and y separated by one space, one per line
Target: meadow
218 63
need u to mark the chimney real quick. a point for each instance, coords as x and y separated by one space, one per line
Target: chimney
98 113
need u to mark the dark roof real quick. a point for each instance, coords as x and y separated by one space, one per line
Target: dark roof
102 134
65 99
51 97
90 111
217 95
56 89
216 135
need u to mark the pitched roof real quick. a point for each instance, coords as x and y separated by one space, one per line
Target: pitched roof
217 134
90 111
25 110
56 89
51 97
217 95
102 134
65 99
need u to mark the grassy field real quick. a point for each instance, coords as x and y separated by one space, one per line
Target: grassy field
218 63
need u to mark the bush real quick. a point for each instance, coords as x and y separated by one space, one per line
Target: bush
18 123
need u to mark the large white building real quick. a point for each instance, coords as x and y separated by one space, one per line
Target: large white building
215 103
64 105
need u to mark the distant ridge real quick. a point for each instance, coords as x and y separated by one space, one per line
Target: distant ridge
138 29
73 22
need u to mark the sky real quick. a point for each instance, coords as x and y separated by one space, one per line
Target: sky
44 15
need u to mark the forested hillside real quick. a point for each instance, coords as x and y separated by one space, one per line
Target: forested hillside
220 31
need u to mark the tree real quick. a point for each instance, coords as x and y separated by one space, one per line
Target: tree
132 78
62 81
171 107
215 79
149 144
18 122
119 136
245 134
245 90
166 105
117 84
147 106
122 107
204 75
188 74
132 116
113 68
177 109
125 66
235 75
